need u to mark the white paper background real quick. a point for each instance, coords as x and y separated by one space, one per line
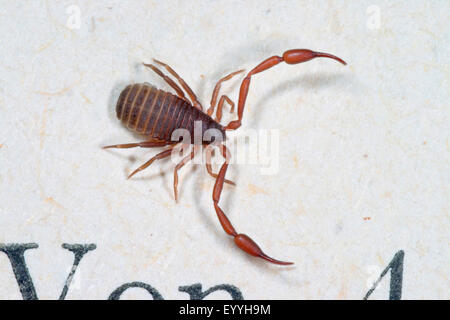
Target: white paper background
367 140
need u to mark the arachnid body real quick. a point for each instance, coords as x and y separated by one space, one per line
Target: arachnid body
156 114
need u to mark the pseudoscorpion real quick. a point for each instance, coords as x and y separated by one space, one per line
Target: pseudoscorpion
156 114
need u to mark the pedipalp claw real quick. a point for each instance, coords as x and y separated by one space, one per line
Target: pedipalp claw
245 243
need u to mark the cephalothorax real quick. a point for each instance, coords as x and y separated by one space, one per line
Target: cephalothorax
156 114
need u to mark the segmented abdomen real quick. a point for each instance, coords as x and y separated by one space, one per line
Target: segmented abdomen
156 113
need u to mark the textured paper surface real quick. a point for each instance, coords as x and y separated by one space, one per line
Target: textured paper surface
363 160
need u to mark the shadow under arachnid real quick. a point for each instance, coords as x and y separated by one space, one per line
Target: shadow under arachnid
303 84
